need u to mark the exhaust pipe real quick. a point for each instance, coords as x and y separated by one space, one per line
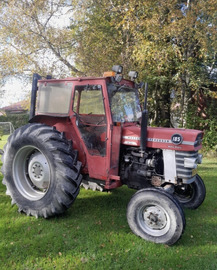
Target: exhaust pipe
144 122
35 79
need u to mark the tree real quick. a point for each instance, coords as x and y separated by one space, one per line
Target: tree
32 40
172 44
102 41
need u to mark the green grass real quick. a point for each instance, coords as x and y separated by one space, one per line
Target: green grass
3 140
94 234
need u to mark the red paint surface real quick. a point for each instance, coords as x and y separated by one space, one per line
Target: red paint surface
107 167
155 135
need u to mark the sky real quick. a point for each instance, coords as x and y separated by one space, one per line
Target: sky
15 90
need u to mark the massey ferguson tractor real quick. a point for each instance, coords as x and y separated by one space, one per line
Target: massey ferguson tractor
92 131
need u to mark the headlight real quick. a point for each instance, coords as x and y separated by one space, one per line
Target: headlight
118 69
133 75
198 140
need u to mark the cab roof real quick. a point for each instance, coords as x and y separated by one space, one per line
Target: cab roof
80 79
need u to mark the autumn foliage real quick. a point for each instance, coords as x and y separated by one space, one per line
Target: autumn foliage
172 44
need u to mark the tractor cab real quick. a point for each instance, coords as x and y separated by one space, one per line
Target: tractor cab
92 113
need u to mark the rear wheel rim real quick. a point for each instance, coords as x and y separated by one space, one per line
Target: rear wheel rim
31 173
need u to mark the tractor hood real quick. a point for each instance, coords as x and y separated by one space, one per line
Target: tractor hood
164 138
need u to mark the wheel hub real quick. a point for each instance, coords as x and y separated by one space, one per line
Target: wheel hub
154 218
38 170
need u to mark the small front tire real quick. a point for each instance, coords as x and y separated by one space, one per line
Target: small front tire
191 196
156 216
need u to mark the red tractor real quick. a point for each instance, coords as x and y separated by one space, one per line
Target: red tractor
92 130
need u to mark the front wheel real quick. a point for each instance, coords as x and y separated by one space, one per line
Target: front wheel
156 216
192 195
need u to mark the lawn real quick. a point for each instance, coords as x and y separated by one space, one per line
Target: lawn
3 140
94 234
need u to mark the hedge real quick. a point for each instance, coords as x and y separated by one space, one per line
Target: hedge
17 120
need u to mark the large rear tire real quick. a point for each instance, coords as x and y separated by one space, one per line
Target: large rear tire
156 216
41 171
191 196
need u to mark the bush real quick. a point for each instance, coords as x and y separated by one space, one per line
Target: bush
210 136
1 133
17 120
208 124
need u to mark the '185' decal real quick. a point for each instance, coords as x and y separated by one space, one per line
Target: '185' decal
176 139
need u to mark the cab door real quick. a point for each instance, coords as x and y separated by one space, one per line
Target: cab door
90 121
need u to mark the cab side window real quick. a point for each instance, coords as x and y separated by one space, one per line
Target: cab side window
91 120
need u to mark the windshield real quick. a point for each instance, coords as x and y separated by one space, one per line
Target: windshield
125 106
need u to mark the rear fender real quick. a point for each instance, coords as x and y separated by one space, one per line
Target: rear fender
47 119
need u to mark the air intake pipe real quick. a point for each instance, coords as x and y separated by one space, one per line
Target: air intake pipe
144 123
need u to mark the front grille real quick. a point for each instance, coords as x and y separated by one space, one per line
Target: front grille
183 172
